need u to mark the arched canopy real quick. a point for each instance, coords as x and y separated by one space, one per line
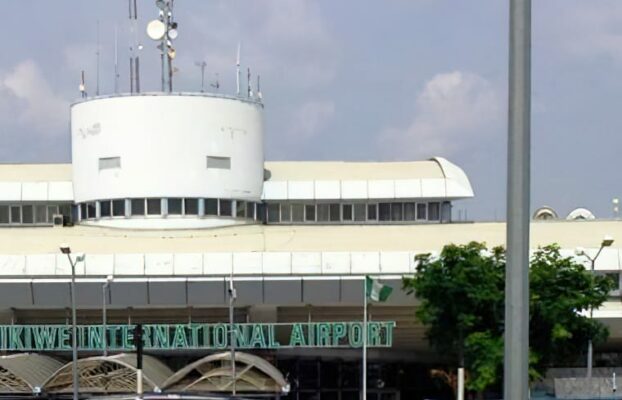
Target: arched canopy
580 214
111 374
544 213
214 374
26 372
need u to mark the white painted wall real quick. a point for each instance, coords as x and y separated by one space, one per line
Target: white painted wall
163 141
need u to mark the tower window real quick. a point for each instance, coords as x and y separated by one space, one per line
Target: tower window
109 163
218 162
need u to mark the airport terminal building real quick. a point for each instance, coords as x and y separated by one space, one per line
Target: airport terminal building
168 199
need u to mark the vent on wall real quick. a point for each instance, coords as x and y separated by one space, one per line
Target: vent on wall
218 162
109 163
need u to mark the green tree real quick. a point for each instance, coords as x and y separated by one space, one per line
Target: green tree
461 296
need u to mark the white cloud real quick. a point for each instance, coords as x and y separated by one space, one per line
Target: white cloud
31 100
309 118
453 111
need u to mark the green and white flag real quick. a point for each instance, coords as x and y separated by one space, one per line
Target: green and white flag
376 291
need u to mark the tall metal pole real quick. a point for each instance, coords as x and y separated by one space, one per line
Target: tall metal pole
590 350
516 363
364 366
74 335
232 296
104 317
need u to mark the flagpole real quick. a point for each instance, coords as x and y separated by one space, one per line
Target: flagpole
364 338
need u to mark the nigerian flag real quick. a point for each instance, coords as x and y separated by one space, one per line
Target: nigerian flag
375 290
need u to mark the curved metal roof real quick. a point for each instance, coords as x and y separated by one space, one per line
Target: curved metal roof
27 369
251 362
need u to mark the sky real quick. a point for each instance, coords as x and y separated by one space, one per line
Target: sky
355 80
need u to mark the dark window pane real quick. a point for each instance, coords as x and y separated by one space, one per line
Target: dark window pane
27 214
250 210
422 211
298 212
4 215
174 206
396 212
359 212
41 214
118 208
138 207
16 215
211 206
434 212
273 212
371 212
335 212
240 208
261 212
409 211
154 207
51 211
91 211
347 212
323 211
225 208
384 211
191 206
615 278
104 208
286 213
310 212
83 211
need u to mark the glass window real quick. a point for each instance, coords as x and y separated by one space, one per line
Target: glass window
16 215
65 209
225 208
104 208
191 206
273 212
27 214
409 211
211 206
109 163
51 211
396 212
335 212
261 212
4 215
298 212
240 208
138 207
359 212
118 208
372 214
218 162
83 211
384 211
309 212
250 210
154 207
347 212
41 214
323 211
434 212
422 211
91 211
285 213
174 206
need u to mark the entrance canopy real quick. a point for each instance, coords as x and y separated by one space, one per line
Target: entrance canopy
26 372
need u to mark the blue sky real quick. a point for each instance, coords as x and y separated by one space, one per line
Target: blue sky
352 80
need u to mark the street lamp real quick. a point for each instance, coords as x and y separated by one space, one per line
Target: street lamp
105 287
607 242
65 249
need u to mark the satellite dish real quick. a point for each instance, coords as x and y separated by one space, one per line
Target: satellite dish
156 29
160 4
172 34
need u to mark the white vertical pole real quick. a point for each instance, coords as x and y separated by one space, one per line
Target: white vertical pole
460 384
364 339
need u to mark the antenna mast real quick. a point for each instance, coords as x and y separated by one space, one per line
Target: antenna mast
237 63
249 89
164 30
97 69
116 61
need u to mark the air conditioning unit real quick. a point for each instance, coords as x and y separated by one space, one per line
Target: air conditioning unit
57 220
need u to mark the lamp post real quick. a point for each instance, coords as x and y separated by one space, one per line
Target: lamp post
65 249
105 287
607 242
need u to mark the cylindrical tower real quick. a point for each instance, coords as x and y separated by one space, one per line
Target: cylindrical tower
191 159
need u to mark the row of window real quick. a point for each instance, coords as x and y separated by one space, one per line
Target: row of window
358 212
213 162
171 206
32 214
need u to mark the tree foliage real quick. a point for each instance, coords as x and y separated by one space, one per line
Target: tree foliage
461 294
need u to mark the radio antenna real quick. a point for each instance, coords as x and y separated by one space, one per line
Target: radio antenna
237 63
116 60
202 65
97 67
82 86
249 90
259 95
